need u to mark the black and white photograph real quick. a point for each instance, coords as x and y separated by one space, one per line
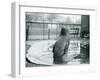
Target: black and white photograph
56 39
53 40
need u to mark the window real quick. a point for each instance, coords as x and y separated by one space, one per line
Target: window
43 26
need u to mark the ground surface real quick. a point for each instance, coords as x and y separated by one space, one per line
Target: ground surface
48 43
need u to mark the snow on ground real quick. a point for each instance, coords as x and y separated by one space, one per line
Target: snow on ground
39 52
